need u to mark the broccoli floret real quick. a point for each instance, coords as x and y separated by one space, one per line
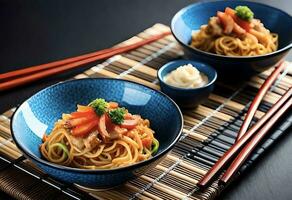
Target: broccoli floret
99 105
117 115
244 13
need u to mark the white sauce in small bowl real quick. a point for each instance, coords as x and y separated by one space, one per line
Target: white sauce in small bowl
186 76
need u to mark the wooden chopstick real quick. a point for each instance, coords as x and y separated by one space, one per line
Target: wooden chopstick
45 70
81 57
246 151
242 141
258 98
41 67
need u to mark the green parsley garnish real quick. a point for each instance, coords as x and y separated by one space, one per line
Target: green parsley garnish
99 105
244 13
117 115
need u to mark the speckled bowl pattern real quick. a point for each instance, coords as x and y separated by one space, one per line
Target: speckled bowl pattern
37 115
187 98
193 16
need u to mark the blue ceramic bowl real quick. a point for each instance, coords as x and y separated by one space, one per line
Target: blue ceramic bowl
37 115
187 98
193 16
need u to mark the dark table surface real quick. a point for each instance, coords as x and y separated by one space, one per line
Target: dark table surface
36 31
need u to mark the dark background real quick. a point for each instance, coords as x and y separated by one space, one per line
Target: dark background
39 31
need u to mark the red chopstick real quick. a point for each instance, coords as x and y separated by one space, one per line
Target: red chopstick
246 151
242 141
258 98
51 64
77 58
48 69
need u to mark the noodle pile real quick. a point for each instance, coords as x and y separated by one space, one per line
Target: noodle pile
62 148
212 38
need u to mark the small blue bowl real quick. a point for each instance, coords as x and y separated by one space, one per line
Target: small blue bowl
38 114
187 98
193 16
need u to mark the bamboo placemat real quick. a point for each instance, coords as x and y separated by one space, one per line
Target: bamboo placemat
209 130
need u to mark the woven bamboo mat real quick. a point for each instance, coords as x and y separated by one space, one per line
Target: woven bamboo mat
209 130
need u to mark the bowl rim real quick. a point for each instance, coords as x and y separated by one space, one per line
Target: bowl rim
181 11
166 65
99 171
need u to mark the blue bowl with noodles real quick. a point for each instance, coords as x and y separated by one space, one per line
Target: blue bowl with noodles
37 116
195 15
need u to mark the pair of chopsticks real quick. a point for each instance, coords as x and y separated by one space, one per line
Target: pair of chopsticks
248 139
16 78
